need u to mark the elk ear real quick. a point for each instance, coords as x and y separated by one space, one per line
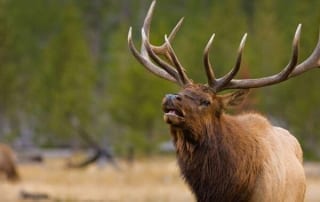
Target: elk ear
234 98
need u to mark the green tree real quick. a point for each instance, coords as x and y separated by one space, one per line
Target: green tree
68 78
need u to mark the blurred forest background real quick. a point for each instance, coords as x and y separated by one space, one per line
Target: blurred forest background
65 69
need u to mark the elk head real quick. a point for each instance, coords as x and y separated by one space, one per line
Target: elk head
201 103
197 102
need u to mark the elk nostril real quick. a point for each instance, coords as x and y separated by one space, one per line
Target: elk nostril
173 96
169 96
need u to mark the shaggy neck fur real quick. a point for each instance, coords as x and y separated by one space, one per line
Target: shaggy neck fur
220 159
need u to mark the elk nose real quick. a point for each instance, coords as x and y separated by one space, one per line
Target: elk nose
173 97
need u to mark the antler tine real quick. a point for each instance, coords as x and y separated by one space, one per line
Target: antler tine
182 75
229 76
168 68
270 80
148 55
311 62
294 58
148 18
207 65
165 49
162 49
145 61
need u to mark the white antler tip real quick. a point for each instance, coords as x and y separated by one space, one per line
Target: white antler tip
151 8
130 34
211 38
179 23
298 31
208 46
297 34
299 26
154 1
243 41
147 20
181 20
152 4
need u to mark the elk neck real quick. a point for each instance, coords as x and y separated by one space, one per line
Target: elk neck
214 161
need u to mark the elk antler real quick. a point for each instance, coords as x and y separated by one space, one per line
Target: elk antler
173 70
214 83
291 70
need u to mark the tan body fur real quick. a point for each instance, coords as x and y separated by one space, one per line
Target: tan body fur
282 177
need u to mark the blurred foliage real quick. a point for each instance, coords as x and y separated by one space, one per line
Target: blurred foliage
65 66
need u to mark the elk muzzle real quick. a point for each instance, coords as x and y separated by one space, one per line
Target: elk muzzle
171 106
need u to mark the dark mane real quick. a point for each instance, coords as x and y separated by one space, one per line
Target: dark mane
218 167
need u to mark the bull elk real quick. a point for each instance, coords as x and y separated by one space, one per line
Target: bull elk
7 163
227 157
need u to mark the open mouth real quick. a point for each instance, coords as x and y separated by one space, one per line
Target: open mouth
173 112
173 115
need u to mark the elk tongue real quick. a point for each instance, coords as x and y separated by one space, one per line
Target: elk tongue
173 117
174 112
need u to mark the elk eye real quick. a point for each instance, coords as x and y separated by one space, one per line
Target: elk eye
205 102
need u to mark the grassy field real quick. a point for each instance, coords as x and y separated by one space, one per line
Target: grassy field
147 180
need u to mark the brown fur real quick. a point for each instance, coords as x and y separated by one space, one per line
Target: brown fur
232 158
7 163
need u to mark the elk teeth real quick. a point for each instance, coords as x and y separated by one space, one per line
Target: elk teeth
172 112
